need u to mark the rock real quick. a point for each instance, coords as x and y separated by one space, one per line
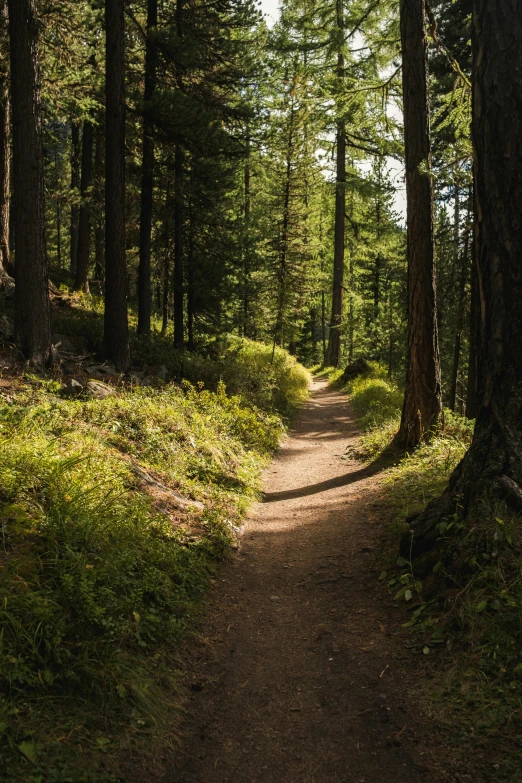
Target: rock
99 390
164 496
356 368
73 388
162 372
108 369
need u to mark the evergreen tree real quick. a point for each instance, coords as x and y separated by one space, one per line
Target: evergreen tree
32 311
423 402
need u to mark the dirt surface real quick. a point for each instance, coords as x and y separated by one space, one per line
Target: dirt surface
300 674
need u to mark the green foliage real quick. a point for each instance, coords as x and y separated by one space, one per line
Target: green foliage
102 572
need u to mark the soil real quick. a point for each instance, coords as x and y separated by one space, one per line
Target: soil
303 673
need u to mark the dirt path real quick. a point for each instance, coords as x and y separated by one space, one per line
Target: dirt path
300 675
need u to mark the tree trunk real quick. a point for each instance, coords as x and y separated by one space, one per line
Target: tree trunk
84 229
147 175
283 247
334 340
422 403
246 240
115 321
474 339
493 464
464 262
5 153
32 309
99 234
179 319
75 188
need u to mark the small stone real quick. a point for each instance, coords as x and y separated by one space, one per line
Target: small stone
99 390
274 598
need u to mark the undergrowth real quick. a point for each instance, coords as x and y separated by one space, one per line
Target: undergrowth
464 598
113 516
271 380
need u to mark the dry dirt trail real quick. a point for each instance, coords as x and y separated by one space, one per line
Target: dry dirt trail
299 675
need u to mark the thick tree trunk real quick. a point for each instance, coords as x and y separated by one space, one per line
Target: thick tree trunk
32 308
179 319
81 282
474 339
422 403
5 155
115 322
75 188
147 175
493 464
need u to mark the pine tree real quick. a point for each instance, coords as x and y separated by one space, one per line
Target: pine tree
32 309
115 322
423 402
493 464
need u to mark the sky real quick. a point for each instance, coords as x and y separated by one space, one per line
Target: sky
270 9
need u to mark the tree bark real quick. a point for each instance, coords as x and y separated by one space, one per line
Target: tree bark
5 155
84 228
147 175
334 341
474 338
179 319
115 321
493 464
423 402
99 234
32 308
75 187
463 279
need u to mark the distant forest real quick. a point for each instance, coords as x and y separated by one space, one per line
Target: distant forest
220 176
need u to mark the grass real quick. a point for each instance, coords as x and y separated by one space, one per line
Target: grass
464 598
269 380
114 515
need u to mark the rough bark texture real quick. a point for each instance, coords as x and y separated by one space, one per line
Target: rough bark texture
493 463
423 403
115 322
147 176
5 154
84 228
334 341
474 338
178 248
32 308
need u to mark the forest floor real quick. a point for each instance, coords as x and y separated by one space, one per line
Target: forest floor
302 671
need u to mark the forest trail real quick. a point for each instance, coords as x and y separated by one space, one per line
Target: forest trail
299 674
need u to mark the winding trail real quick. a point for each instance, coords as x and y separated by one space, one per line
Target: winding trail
299 676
